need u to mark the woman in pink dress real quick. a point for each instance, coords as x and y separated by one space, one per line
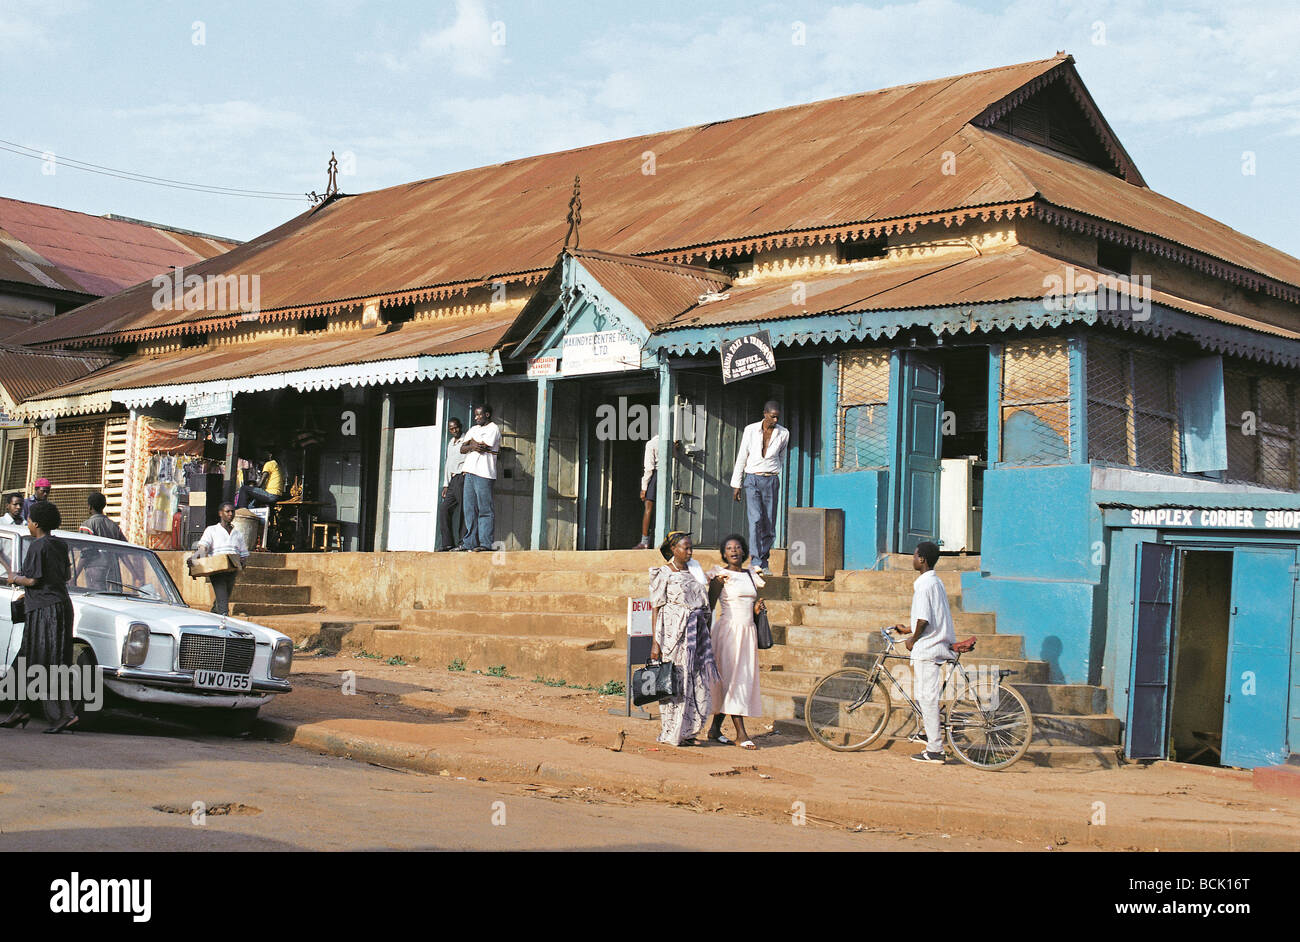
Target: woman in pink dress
735 640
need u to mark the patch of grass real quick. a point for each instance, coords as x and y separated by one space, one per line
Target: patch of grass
456 664
550 681
498 670
397 661
368 656
611 688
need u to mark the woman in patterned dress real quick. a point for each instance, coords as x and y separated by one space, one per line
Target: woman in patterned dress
679 595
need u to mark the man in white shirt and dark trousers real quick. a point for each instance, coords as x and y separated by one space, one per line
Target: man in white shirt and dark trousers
759 462
649 486
451 525
931 641
221 538
480 447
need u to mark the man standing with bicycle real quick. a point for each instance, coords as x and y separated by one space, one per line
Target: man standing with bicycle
931 641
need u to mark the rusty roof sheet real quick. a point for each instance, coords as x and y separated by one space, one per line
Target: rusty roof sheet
25 372
1017 274
71 251
656 292
851 157
466 334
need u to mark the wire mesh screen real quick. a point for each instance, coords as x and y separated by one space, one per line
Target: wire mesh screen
862 426
1133 407
73 454
1035 401
1261 429
16 473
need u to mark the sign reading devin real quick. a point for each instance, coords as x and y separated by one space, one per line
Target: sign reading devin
206 404
751 355
607 351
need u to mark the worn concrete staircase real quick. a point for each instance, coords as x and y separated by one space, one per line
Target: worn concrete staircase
838 627
554 615
268 587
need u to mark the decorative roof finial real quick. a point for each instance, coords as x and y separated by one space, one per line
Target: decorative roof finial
332 187
575 212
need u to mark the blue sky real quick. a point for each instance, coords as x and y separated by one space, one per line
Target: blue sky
256 95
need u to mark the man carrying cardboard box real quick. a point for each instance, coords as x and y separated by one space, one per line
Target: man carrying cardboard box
223 539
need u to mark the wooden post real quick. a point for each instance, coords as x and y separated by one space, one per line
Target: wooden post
230 486
541 463
385 472
667 430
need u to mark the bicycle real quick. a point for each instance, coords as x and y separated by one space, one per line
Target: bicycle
986 726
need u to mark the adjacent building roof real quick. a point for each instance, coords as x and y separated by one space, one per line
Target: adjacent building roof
26 372
48 247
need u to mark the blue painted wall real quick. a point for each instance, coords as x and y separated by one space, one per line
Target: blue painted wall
864 496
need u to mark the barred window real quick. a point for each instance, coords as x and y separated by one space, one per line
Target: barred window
1133 408
1035 402
862 420
1261 430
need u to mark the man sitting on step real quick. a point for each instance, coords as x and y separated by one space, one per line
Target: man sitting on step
931 641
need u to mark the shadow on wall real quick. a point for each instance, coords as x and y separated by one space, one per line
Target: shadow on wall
1050 651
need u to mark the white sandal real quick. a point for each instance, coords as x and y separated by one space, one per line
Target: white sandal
721 739
748 744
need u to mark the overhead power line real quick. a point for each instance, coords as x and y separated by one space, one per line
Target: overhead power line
36 154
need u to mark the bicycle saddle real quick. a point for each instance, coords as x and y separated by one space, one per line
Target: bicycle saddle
963 647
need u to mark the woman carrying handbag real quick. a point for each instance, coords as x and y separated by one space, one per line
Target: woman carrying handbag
735 640
679 595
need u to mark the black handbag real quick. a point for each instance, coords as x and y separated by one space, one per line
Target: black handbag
18 609
762 628
652 683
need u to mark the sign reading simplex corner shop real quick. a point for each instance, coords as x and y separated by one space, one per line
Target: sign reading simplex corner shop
1197 518
750 355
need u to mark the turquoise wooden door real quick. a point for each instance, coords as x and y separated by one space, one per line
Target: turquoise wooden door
1148 700
1259 660
918 463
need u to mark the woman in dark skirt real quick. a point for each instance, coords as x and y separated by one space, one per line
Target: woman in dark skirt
47 632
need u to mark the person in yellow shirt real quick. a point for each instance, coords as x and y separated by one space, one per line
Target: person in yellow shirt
271 489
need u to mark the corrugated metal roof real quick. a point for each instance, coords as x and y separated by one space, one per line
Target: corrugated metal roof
656 292
308 351
852 157
25 372
60 248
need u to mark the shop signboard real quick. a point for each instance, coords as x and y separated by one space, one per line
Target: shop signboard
606 351
543 366
208 404
750 355
1205 518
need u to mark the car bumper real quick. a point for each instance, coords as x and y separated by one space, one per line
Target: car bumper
177 687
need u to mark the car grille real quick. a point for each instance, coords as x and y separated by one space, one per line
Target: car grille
216 653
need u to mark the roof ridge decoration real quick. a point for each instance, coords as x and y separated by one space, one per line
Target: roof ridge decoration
1066 73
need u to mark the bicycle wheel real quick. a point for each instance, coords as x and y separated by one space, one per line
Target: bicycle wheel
989 730
847 710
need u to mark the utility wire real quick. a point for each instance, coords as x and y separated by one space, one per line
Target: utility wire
31 152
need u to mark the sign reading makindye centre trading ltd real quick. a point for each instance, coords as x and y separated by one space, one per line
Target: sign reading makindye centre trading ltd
750 355
1203 518
606 351
208 404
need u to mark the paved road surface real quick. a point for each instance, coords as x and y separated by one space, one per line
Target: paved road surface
102 791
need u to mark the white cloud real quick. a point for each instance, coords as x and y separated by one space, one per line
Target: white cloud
466 45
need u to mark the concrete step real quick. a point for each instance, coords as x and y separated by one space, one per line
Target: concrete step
254 609
601 582
798 682
891 580
1068 699
1097 729
555 624
862 591
265 575
903 561
1039 753
561 658
870 620
824 660
268 560
330 632
861 639
282 594
590 603
611 560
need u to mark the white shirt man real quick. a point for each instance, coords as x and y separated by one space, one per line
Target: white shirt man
931 641
649 465
223 538
482 464
480 446
759 462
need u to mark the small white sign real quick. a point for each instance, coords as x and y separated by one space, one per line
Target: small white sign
638 618
607 351
208 404
543 366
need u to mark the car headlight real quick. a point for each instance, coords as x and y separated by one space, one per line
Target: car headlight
136 646
281 658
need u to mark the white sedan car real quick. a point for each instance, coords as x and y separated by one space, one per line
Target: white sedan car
130 621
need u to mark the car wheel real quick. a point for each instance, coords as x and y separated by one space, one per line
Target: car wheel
228 722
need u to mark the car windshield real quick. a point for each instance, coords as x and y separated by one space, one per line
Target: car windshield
117 569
